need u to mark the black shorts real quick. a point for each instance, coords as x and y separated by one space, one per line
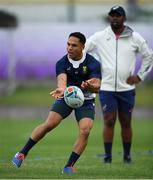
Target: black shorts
86 110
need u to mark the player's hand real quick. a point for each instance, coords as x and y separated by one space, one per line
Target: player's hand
87 84
92 85
57 93
133 80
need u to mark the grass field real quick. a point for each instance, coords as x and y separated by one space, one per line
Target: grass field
47 158
39 95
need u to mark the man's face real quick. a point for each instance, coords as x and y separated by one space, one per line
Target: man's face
116 20
74 48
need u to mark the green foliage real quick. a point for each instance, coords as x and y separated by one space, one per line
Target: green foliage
48 157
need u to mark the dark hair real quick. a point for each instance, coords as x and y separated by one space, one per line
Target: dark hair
80 36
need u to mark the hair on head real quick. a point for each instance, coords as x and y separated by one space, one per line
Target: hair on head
80 36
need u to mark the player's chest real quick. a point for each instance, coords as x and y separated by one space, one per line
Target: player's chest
81 70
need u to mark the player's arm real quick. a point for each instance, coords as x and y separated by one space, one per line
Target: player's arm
61 85
92 85
147 56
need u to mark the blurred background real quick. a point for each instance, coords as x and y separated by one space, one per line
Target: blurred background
33 37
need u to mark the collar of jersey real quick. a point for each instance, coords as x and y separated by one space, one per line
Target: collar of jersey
77 63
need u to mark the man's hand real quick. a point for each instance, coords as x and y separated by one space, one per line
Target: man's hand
57 93
87 84
133 80
92 85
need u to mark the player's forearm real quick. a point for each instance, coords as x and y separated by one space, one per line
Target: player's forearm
61 85
62 81
147 63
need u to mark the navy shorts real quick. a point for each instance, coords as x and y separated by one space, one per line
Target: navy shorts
86 110
117 101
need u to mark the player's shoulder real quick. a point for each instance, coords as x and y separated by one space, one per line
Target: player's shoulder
91 60
90 57
62 62
102 32
63 59
137 36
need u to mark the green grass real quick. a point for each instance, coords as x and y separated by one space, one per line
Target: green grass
144 94
47 158
25 96
39 96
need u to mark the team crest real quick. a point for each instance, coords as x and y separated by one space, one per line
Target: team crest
84 69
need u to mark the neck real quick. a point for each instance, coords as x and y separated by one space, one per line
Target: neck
78 57
118 30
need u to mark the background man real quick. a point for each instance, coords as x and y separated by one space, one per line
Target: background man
79 69
117 47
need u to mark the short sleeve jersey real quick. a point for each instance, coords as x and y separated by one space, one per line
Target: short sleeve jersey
89 68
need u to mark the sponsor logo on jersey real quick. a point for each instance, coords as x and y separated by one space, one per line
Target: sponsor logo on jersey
69 68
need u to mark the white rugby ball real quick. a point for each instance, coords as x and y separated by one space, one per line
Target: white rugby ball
73 96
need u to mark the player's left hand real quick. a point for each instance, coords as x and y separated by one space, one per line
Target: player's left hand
133 80
86 84
57 93
92 85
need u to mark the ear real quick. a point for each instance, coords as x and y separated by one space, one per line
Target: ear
108 17
125 19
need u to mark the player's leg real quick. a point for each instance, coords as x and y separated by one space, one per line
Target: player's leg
109 109
108 134
126 105
39 132
51 122
85 126
54 118
84 116
126 134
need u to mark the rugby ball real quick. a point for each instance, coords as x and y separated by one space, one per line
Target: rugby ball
73 97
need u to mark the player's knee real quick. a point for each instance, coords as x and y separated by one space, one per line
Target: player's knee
85 131
109 119
126 126
109 123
